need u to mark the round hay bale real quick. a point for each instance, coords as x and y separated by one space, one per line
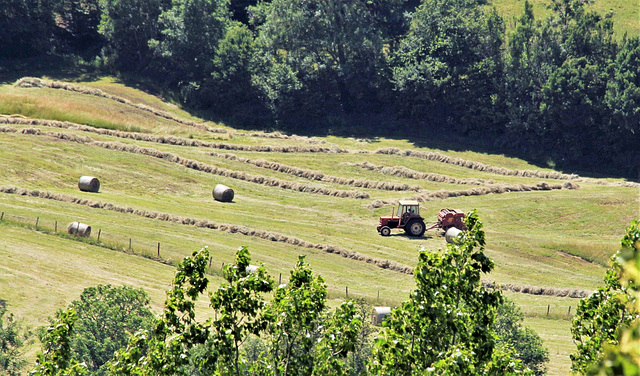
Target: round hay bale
452 235
89 184
79 229
223 193
379 314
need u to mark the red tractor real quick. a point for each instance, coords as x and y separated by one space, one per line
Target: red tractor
407 217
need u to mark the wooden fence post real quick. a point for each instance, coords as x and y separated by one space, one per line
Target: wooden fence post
37 220
129 244
548 307
55 227
569 311
158 249
346 292
99 231
1 216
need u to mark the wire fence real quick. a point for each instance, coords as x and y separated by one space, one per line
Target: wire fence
155 250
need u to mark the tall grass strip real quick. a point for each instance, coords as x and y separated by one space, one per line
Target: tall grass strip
196 165
203 223
33 82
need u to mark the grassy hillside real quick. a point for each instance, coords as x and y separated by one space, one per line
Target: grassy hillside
624 13
550 234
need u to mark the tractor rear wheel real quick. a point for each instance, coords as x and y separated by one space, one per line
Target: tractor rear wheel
415 227
385 231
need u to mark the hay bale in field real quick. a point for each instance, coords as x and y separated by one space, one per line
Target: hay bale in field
79 229
223 193
379 314
89 184
452 235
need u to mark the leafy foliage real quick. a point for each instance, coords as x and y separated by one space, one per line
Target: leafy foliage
238 304
57 356
164 350
294 317
446 325
610 315
13 337
526 343
106 317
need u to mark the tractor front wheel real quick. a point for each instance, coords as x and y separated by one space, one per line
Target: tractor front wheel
385 231
415 227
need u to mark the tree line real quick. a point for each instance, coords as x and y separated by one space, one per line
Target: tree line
562 88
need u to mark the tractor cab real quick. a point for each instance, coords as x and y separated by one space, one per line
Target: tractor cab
406 217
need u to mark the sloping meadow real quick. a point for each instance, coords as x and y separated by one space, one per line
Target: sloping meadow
549 232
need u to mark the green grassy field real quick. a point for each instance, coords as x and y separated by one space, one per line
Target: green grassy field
156 189
624 13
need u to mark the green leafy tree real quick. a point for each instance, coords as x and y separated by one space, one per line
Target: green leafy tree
165 349
338 340
446 325
238 304
13 336
106 317
293 315
602 316
78 22
624 358
57 359
128 26
320 54
526 343
623 101
27 27
186 45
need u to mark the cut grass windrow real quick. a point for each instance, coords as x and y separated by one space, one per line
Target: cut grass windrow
401 171
31 82
203 223
172 140
319 175
404 172
477 191
267 235
195 165
438 157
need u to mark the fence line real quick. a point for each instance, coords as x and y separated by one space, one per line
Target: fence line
119 244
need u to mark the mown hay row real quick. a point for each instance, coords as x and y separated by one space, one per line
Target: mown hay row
199 166
203 223
438 157
320 176
31 82
537 290
408 173
478 191
172 140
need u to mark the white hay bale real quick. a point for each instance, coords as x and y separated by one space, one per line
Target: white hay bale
223 193
89 184
452 235
379 314
79 229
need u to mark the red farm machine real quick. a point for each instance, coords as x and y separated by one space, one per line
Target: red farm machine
407 217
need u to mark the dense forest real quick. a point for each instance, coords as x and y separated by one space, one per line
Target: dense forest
562 90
